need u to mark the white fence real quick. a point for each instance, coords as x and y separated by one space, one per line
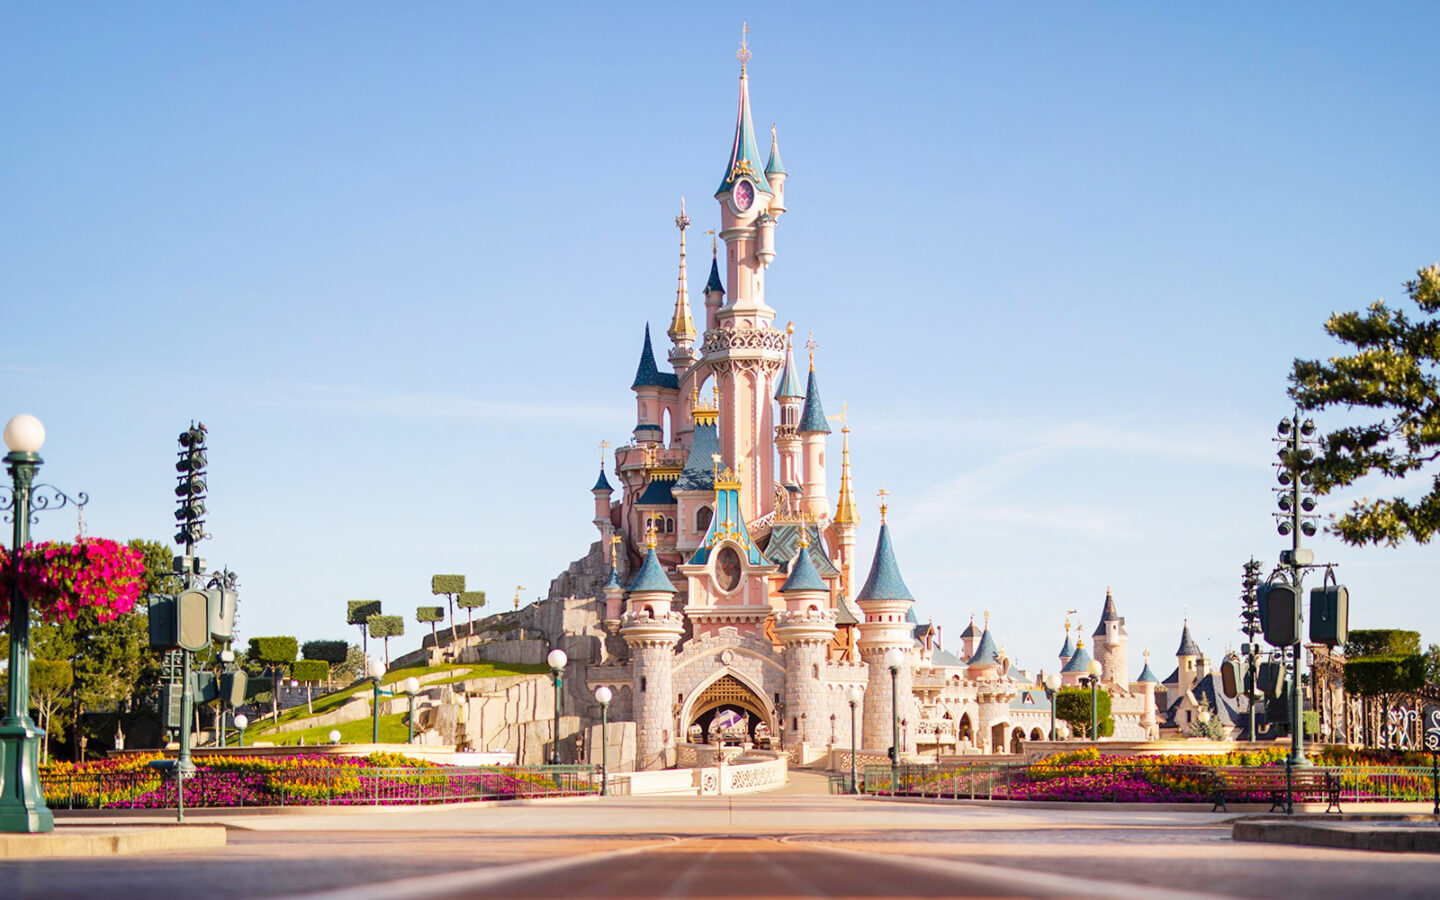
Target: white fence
705 781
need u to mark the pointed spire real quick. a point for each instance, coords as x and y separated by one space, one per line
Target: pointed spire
775 166
1080 662
1188 647
969 629
986 656
845 512
647 374
651 577
682 329
744 161
812 415
803 574
884 582
1146 674
789 382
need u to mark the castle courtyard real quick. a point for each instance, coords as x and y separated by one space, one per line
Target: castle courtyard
795 842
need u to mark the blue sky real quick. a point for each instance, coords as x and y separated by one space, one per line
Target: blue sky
1058 260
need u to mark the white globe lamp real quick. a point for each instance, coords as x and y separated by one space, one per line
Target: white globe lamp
894 657
604 695
557 659
334 736
24 434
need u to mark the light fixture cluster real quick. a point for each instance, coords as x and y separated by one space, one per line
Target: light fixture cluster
1294 496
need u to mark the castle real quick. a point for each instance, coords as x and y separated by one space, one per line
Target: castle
733 606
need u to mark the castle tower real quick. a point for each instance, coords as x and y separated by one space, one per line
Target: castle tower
886 602
651 630
1078 667
1187 662
613 590
775 174
805 630
1068 650
1110 643
847 519
1149 684
714 290
969 639
683 355
651 387
791 397
741 348
813 429
602 492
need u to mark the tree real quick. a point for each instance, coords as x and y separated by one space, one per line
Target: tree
310 671
1380 663
1395 368
386 627
449 586
1207 724
431 614
332 653
358 612
470 601
277 653
51 681
1072 705
1432 664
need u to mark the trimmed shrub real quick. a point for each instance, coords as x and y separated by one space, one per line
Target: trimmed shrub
273 650
447 584
358 612
311 670
329 651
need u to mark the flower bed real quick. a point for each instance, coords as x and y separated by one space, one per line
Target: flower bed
131 782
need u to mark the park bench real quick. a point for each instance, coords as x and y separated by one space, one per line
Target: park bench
1271 781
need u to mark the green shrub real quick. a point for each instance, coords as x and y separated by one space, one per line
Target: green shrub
311 670
273 650
447 584
329 651
430 614
358 612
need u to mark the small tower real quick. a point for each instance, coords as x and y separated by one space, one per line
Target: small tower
602 491
969 639
1079 665
847 519
1068 650
1149 684
714 289
886 602
791 397
1187 662
775 174
682 328
613 590
805 630
813 428
649 387
651 630
984 663
1110 640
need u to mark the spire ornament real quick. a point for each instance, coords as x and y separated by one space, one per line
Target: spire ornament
884 507
682 327
743 54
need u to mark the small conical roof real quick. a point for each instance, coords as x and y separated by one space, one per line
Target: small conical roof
969 629
1147 675
1068 650
775 166
1188 647
789 384
602 483
812 415
647 374
1080 662
651 576
714 285
986 655
884 582
744 161
803 575
613 581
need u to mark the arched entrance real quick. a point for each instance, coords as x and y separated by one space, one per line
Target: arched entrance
732 708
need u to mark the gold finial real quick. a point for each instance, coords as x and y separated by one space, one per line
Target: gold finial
811 345
682 329
715 461
604 445
1067 626
882 494
714 244
987 618
789 329
804 533
694 395
774 138
650 532
743 54
1146 654
682 222
518 589
614 550
845 512
1079 637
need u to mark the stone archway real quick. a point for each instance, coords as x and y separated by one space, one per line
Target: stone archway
728 692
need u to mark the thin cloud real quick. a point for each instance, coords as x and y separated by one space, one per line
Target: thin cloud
439 406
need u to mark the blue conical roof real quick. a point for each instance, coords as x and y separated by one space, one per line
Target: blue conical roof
1068 650
985 654
775 166
1188 647
647 374
1080 662
969 629
744 158
789 385
812 416
884 582
613 581
602 483
651 576
803 576
713 285
1147 675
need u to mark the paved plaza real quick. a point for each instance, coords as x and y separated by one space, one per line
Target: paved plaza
790 844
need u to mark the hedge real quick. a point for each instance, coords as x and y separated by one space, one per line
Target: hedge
1364 642
1072 705
273 650
358 612
1376 676
329 651
386 626
310 670
447 584
470 599
430 614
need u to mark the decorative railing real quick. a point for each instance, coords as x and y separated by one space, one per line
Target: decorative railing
315 786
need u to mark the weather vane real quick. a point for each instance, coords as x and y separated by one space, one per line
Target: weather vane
682 221
882 494
743 54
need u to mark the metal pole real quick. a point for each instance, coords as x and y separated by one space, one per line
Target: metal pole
1052 695
1297 572
894 729
411 721
375 715
22 801
1094 711
555 744
604 749
1435 781
854 785
220 722
183 766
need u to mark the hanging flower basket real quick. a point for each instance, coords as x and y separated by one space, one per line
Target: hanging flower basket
62 579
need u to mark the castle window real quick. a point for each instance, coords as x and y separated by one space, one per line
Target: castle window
703 515
642 684
669 525
815 671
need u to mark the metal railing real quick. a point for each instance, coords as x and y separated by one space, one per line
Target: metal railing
316 786
1156 781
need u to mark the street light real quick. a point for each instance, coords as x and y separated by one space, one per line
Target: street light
604 695
1052 688
557 660
1094 668
241 720
411 687
334 736
377 671
855 696
894 658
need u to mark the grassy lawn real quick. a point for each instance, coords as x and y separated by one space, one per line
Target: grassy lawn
336 699
392 731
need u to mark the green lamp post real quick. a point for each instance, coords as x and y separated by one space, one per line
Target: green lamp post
22 801
604 695
894 659
855 696
1052 689
1093 680
557 660
411 688
377 671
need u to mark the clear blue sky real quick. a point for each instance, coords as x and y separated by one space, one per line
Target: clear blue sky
1058 259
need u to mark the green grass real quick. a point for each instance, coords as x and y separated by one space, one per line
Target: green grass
392 731
336 699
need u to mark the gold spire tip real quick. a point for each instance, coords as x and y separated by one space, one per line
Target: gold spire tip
789 327
811 345
884 507
743 54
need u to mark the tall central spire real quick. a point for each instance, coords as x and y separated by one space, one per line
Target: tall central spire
744 161
682 329
845 512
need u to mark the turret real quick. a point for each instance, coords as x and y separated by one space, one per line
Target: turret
813 428
649 386
985 664
791 396
1149 684
1187 661
745 195
613 589
682 329
847 519
1068 650
886 602
1078 667
602 491
714 290
1110 639
969 639
805 630
775 173
651 631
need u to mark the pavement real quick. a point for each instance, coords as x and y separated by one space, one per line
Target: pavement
794 844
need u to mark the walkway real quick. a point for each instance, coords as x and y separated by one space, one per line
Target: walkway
767 845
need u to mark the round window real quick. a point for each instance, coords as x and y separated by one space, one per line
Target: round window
727 569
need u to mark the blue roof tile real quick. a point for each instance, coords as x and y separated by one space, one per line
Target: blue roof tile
657 493
1188 647
803 576
884 582
789 385
1080 662
1068 650
651 576
812 415
714 285
1147 675
602 483
986 654
647 374
699 471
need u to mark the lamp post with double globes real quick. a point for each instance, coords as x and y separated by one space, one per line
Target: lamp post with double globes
894 659
855 696
411 687
604 695
241 721
557 660
1052 689
1093 680
377 672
